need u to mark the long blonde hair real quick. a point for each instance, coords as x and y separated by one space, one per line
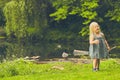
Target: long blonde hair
92 26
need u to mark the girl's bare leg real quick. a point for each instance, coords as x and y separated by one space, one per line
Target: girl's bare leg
98 64
94 64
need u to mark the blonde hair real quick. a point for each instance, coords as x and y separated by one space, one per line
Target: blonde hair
92 26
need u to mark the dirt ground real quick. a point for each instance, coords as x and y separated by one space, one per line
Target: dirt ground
74 60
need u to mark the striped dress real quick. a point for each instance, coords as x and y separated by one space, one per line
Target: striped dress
98 51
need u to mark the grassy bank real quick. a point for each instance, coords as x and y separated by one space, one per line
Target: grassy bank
25 70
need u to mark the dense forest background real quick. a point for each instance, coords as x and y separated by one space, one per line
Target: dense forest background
49 27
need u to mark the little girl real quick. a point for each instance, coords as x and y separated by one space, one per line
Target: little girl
98 45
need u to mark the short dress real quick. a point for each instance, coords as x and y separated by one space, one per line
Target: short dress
98 51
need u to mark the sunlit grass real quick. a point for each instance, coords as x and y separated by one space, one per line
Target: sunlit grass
24 70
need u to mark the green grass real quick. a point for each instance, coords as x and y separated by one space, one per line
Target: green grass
24 70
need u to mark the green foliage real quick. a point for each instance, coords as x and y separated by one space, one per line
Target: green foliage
88 9
23 15
3 2
24 20
14 51
114 12
2 51
57 35
61 13
31 31
85 9
84 31
16 18
18 67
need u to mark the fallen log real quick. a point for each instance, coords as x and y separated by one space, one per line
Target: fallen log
80 53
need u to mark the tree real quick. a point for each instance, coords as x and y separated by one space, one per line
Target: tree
25 21
2 18
114 12
16 21
83 8
25 17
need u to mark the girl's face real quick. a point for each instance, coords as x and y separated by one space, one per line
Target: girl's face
96 29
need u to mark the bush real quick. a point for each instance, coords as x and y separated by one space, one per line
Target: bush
17 67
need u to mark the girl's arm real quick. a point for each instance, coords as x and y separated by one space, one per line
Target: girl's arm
92 41
107 45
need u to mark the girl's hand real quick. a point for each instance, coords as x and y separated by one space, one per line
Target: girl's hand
108 48
96 41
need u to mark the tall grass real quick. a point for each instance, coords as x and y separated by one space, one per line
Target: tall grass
25 70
